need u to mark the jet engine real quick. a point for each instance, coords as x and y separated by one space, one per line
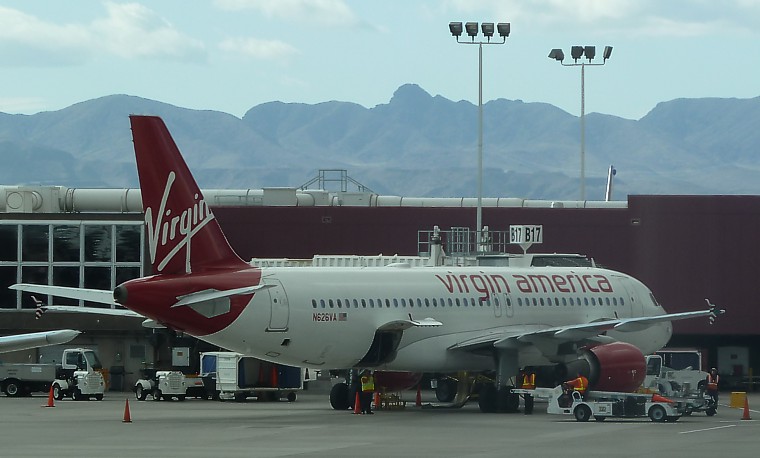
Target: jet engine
616 366
396 381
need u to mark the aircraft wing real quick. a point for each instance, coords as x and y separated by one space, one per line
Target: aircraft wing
512 337
36 339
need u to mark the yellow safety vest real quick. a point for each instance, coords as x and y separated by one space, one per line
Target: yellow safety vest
529 381
368 383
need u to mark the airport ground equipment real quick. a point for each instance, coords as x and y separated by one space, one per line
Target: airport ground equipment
230 375
24 379
675 372
160 385
77 376
604 404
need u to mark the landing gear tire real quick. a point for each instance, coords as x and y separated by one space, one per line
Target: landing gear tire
446 390
339 396
657 414
507 401
582 412
487 398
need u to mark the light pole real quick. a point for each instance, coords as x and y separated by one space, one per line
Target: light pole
576 52
487 29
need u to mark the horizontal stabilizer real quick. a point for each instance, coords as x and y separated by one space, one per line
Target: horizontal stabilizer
93 310
213 294
93 295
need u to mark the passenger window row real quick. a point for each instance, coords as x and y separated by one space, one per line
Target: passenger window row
465 302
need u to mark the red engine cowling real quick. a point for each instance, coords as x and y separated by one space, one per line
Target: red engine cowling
617 366
396 381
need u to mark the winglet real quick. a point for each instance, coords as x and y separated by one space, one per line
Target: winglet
714 312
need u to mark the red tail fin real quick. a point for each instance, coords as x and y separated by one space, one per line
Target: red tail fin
183 235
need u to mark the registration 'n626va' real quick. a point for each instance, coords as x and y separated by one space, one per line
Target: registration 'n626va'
329 316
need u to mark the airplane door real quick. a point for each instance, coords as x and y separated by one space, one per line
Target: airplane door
280 310
496 301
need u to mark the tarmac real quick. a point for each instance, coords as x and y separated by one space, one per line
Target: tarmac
309 427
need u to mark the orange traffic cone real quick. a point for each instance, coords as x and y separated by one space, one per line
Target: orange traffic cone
746 410
51 401
418 401
377 400
357 404
127 416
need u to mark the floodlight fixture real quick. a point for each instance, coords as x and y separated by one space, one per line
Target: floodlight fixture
455 28
472 29
487 29
576 52
503 29
557 54
607 52
590 52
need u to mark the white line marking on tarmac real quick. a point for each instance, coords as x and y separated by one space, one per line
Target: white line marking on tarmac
706 429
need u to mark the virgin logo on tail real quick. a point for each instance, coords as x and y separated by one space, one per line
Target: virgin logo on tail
177 229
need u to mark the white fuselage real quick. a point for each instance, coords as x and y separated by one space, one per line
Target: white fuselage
327 317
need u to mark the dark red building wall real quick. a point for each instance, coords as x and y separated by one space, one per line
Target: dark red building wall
685 248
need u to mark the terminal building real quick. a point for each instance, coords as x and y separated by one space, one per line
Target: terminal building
685 248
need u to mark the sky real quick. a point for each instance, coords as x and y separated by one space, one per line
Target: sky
231 55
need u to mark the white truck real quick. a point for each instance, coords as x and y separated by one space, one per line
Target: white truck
161 385
24 379
76 376
675 372
604 404
230 375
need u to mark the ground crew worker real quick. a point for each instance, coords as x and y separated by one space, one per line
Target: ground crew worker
528 383
712 385
368 388
579 384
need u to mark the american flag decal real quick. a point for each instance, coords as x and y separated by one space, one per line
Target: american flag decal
342 316
39 308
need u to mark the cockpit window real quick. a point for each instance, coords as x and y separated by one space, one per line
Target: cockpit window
654 301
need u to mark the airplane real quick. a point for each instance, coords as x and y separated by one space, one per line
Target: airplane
32 340
442 319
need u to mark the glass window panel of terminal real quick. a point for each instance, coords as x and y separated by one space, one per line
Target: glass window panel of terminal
65 276
34 241
66 243
97 243
7 278
97 278
8 242
128 243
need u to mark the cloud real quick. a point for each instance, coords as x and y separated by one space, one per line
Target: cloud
327 12
258 49
132 30
678 18
128 30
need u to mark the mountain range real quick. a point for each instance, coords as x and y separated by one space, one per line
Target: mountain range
415 145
